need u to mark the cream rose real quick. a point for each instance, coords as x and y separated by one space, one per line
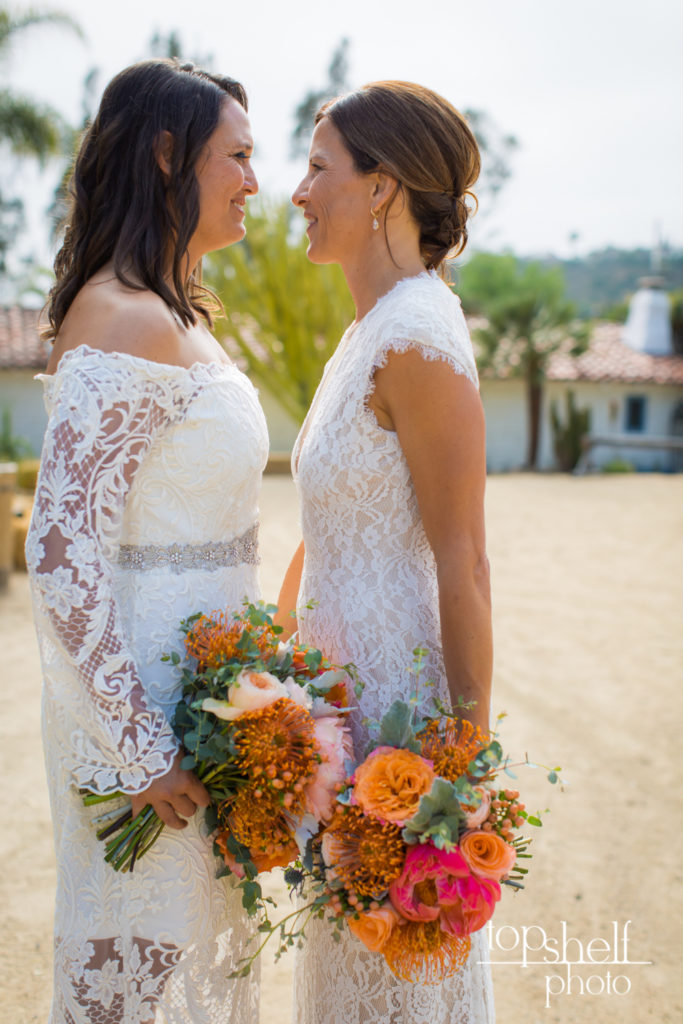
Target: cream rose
251 691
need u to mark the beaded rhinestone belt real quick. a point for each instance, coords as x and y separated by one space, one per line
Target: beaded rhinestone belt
181 557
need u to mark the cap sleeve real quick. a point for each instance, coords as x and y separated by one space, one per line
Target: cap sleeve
423 313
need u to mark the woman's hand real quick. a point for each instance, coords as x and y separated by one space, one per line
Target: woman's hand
174 796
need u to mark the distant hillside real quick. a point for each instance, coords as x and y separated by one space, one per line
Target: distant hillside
604 279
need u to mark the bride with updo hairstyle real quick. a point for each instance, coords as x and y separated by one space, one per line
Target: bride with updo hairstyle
390 466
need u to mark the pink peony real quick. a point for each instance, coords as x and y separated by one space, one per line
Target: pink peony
473 903
428 875
438 884
334 746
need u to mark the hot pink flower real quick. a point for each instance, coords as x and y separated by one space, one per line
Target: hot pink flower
436 884
473 905
428 876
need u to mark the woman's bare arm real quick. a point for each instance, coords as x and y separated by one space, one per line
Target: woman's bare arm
439 420
289 591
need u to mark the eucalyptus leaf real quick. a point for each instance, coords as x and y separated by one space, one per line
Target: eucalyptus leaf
439 817
396 728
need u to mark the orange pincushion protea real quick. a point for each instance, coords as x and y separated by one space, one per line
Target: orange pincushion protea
277 748
259 823
213 639
367 854
451 749
266 856
419 951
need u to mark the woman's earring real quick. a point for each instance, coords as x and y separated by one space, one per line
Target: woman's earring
375 222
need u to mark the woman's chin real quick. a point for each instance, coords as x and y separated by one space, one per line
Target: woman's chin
317 255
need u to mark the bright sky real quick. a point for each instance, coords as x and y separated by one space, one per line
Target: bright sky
592 89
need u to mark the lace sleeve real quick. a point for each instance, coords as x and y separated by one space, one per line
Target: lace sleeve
428 317
103 419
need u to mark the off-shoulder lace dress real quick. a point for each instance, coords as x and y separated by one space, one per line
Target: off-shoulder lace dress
371 574
145 512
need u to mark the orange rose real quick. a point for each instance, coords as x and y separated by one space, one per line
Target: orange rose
389 784
487 854
374 927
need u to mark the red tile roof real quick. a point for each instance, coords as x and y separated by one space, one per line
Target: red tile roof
20 344
607 358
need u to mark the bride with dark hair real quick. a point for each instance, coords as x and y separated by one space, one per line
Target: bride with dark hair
145 512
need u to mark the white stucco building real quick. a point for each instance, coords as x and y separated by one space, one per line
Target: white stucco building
23 355
629 378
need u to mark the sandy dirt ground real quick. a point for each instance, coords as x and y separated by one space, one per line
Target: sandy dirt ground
588 592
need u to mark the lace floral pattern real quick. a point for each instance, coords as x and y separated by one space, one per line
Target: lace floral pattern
136 453
370 578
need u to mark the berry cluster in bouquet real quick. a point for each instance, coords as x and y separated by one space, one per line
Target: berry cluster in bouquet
422 838
262 724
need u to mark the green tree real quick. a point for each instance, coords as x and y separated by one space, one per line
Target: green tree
528 318
27 128
676 300
284 314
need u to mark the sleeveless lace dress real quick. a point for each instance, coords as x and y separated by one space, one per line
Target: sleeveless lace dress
371 573
145 512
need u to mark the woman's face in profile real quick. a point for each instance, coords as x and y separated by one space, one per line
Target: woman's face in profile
225 178
335 199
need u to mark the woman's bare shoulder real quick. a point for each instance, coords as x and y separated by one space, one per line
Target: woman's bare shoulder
108 316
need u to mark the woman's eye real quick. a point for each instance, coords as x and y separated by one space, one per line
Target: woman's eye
241 156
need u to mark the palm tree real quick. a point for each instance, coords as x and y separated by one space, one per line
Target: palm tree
528 318
28 127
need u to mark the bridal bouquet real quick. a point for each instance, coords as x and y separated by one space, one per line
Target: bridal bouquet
422 837
262 725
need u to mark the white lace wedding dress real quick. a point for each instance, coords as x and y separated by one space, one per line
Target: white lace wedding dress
145 513
371 573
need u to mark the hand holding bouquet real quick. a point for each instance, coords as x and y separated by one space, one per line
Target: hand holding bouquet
262 725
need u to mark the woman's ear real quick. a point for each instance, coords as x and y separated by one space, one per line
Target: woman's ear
163 152
384 188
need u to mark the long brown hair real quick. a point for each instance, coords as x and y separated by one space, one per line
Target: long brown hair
420 139
122 207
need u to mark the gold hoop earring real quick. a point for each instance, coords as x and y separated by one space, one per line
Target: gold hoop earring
375 222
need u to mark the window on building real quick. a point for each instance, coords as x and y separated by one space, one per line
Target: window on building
635 413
